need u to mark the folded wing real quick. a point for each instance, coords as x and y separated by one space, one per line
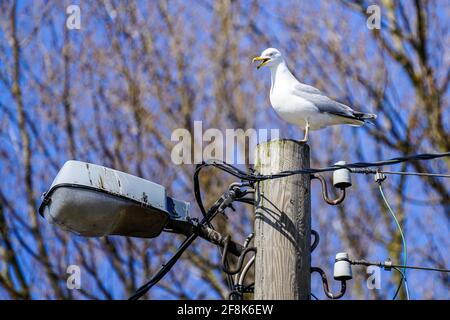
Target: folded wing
327 105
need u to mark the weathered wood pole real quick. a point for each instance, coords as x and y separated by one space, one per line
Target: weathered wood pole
283 223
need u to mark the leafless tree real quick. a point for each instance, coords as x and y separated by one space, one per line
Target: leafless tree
112 93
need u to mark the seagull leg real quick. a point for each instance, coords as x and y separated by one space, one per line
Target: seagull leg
305 139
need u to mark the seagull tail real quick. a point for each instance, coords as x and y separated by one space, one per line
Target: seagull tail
357 119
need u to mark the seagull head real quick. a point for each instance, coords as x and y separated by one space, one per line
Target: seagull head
270 57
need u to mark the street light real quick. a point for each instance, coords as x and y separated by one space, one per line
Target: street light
94 201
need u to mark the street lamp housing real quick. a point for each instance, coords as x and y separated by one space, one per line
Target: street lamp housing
93 201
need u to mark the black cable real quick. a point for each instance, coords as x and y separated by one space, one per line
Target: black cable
390 265
198 198
357 165
405 173
197 192
399 284
165 269
316 240
168 266
422 268
314 296
398 288
241 258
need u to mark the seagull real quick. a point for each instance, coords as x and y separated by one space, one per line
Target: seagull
304 105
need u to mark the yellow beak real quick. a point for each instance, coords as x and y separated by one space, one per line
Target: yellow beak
264 61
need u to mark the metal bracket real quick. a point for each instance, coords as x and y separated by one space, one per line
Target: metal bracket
323 183
379 177
326 288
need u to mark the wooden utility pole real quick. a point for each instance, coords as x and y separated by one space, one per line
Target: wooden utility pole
283 223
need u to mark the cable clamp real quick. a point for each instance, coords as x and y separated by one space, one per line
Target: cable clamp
379 177
387 265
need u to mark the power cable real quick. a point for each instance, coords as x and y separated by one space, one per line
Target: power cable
198 198
388 264
405 252
405 173
351 166
184 245
165 269
400 283
314 296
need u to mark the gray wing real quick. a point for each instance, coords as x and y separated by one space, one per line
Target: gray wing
322 102
306 88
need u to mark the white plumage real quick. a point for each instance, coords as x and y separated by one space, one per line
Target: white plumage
301 104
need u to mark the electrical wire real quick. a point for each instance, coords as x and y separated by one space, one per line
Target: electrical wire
399 284
165 269
197 192
405 173
351 166
168 266
423 268
245 270
420 174
316 240
241 276
198 198
386 265
405 252
314 296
